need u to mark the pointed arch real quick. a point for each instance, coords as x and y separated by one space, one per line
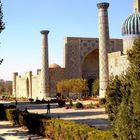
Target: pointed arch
90 65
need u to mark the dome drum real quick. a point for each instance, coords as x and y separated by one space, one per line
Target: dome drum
128 42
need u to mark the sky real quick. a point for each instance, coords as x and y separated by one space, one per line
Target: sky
21 40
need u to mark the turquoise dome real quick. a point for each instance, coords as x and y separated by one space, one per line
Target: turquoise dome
131 25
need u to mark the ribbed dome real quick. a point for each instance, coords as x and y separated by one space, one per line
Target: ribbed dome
131 25
54 66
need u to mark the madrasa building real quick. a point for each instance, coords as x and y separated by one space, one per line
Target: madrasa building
87 58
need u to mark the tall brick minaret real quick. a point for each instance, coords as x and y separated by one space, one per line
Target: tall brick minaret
103 48
45 68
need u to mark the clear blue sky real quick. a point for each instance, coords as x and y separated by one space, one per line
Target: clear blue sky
21 40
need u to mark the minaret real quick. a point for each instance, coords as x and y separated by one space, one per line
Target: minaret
136 5
103 48
45 68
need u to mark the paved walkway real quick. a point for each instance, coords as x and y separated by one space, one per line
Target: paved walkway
9 132
95 117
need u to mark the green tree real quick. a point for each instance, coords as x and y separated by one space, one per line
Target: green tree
2 88
134 60
5 88
123 99
63 87
95 87
2 24
73 85
113 97
127 125
78 86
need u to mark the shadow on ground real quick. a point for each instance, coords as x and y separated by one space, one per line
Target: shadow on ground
5 126
101 123
76 114
2 138
8 131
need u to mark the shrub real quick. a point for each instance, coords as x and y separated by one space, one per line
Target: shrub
33 123
102 101
17 117
57 129
91 105
37 101
11 107
2 112
31 99
97 105
12 116
79 105
95 87
66 130
100 135
61 103
54 101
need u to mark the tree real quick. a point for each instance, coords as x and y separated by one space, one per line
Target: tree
124 97
5 88
134 60
63 87
95 87
2 24
78 86
113 97
127 124
73 85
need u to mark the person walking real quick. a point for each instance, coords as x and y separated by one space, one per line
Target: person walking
48 108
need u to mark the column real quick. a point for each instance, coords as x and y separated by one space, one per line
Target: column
103 48
45 68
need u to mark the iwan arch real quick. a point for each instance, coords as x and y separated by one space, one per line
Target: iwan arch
88 58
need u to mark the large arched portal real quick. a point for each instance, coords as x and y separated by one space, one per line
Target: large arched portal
90 68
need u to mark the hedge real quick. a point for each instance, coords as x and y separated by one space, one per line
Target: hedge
3 111
33 123
16 117
57 129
